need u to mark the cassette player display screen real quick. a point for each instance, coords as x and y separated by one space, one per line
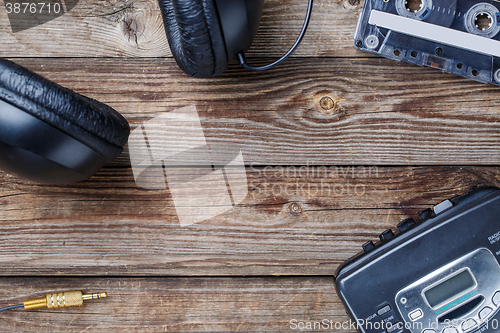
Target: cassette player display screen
449 288
465 293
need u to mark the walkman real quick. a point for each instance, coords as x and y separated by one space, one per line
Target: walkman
440 275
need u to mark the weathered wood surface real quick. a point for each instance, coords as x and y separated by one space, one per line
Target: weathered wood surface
297 221
176 305
384 113
126 28
436 134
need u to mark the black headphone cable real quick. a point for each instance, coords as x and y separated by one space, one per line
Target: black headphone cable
243 61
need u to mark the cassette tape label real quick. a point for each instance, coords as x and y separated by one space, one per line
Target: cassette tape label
458 37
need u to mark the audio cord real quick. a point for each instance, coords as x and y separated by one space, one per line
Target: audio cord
243 61
57 300
12 307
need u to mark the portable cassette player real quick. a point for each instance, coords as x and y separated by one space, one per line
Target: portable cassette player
440 275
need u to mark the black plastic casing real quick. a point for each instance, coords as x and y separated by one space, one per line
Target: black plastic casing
371 279
37 151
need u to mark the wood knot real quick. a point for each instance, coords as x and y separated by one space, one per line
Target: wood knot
351 4
325 107
131 29
327 103
295 209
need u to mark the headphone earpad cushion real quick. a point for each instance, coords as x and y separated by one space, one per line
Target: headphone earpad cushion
195 36
92 123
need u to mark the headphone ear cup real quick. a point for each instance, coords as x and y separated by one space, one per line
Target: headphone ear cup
95 127
195 36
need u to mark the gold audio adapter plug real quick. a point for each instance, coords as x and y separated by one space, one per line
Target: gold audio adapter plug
57 300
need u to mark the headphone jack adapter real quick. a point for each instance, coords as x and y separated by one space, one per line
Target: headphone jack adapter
56 300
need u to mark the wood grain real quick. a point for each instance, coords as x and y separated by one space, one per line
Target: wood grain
126 28
391 140
175 304
297 221
383 113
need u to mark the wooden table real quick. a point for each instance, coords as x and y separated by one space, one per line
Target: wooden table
395 138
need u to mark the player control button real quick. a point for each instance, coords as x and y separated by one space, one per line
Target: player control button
384 310
406 224
394 327
496 298
442 207
428 331
450 330
468 324
484 312
386 235
368 246
417 314
425 214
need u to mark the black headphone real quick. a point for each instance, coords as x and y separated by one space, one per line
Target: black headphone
50 134
205 35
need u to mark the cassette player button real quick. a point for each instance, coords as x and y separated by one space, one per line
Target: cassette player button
384 310
484 312
417 314
394 327
442 207
368 246
496 298
468 324
450 330
425 214
386 235
406 224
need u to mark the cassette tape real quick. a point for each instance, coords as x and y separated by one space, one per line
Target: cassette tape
457 37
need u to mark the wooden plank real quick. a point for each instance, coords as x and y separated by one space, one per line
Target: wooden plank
383 112
293 221
299 220
124 28
176 304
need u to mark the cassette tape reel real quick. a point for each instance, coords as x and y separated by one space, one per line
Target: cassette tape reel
457 37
